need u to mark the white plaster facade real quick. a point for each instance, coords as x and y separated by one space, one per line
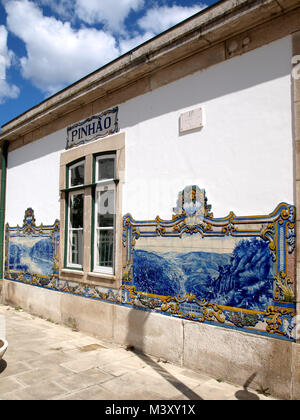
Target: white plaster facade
242 156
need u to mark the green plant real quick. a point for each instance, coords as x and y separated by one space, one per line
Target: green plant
263 391
74 326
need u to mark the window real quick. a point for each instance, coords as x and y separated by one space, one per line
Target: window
76 174
75 231
75 211
91 180
104 199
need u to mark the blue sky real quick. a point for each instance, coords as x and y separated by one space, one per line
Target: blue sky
45 45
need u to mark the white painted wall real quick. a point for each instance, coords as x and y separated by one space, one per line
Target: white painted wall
33 180
243 156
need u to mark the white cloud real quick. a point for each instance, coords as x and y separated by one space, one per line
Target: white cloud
57 54
159 19
63 8
112 14
6 56
3 48
7 90
127 44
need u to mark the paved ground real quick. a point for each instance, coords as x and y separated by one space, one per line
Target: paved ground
45 361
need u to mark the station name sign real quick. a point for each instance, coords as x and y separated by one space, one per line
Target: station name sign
93 128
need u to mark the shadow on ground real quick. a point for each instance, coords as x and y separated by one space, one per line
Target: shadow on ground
245 394
138 331
136 338
3 365
185 390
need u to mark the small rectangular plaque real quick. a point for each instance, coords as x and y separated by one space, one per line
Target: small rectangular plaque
92 128
191 120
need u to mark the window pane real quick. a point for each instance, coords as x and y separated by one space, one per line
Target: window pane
76 246
105 208
105 249
77 175
76 211
106 169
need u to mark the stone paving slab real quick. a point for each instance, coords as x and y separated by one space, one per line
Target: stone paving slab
45 361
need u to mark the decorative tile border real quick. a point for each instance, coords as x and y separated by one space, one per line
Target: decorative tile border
272 310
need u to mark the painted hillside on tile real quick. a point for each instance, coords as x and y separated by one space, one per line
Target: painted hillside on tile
32 252
242 278
234 271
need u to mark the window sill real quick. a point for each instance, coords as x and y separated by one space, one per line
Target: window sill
104 276
69 271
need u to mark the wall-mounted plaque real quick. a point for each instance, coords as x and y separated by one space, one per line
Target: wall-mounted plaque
191 120
92 128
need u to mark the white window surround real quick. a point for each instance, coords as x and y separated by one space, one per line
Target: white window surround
91 153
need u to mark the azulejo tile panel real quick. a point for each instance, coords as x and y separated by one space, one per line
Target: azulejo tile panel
235 272
238 272
32 252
